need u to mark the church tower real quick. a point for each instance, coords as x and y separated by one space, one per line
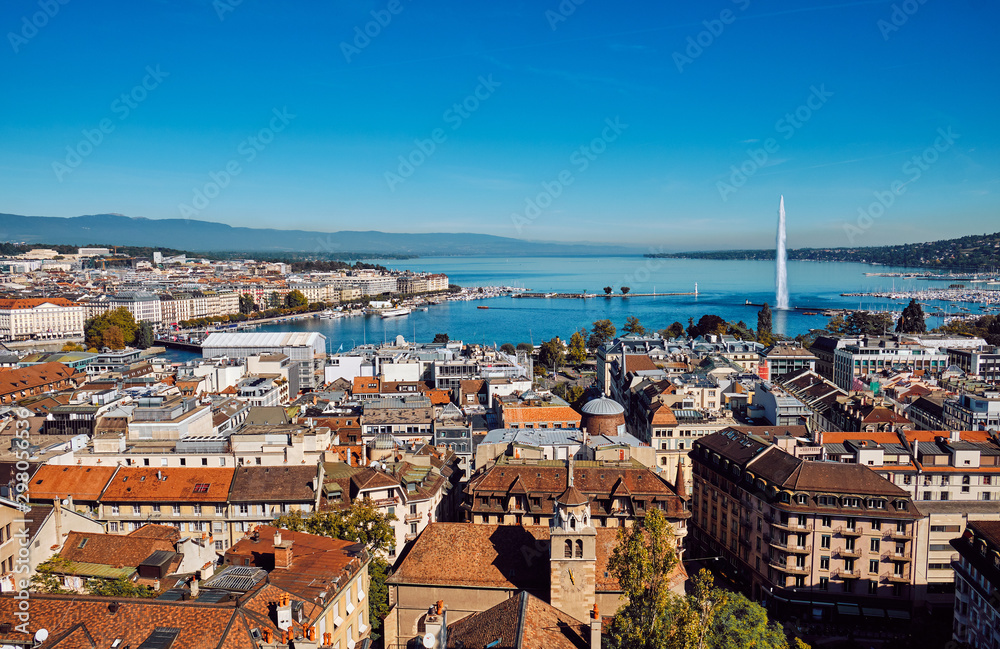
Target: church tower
572 554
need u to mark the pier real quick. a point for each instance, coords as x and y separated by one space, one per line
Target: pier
177 344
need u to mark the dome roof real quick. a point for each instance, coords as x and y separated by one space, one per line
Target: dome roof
602 406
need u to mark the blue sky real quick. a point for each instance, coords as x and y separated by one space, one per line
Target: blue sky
314 119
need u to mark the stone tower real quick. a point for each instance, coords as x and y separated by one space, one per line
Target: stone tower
572 554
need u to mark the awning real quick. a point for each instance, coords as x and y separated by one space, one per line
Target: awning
848 609
899 615
873 612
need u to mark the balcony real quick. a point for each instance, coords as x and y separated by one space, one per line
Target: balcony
791 526
792 570
412 518
895 556
899 536
894 578
844 553
842 573
409 537
790 546
843 530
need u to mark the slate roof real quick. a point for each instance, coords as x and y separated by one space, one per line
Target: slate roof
274 483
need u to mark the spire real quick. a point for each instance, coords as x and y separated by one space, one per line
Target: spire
680 485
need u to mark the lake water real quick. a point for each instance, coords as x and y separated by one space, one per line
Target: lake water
723 289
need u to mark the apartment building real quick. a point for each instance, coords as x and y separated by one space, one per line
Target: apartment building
55 317
977 582
306 351
973 412
983 363
855 361
784 358
259 494
804 535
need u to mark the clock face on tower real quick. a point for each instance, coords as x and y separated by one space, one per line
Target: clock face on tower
573 582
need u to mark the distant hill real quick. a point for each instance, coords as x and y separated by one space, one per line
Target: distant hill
974 252
183 234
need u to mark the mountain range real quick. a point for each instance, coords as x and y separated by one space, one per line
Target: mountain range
193 235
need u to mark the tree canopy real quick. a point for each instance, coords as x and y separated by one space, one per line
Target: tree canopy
577 347
440 338
633 326
654 618
912 320
507 348
602 332
552 353
121 323
295 299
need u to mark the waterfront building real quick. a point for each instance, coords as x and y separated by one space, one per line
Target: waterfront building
854 362
306 350
54 317
784 358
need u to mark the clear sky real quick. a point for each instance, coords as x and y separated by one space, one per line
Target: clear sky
623 122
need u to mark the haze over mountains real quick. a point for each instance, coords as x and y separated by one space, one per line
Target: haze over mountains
185 234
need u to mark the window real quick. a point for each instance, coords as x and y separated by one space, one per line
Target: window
872 587
824 583
176 510
824 563
826 521
115 510
220 510
197 510
874 546
568 551
201 488
873 566
244 510
112 526
163 461
579 549
824 541
413 509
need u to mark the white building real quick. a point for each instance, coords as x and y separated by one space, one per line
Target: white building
40 318
306 350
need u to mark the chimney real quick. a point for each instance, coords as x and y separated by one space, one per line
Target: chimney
282 552
595 629
955 436
436 626
284 613
194 587
57 510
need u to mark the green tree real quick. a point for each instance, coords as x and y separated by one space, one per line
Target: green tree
602 332
362 523
144 337
607 290
674 330
577 347
912 320
525 347
552 353
441 338
507 348
47 577
121 318
643 562
295 299
764 324
120 587
708 324
632 326
247 305
625 290
864 323
654 618
73 347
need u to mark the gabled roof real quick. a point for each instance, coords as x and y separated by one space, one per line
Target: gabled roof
111 549
521 621
274 483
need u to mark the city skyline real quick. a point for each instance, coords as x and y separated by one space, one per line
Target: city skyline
545 123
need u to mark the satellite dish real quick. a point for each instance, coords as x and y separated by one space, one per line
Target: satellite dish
41 635
429 640
65 502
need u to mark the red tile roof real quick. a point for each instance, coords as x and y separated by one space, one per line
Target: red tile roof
111 549
169 485
83 483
